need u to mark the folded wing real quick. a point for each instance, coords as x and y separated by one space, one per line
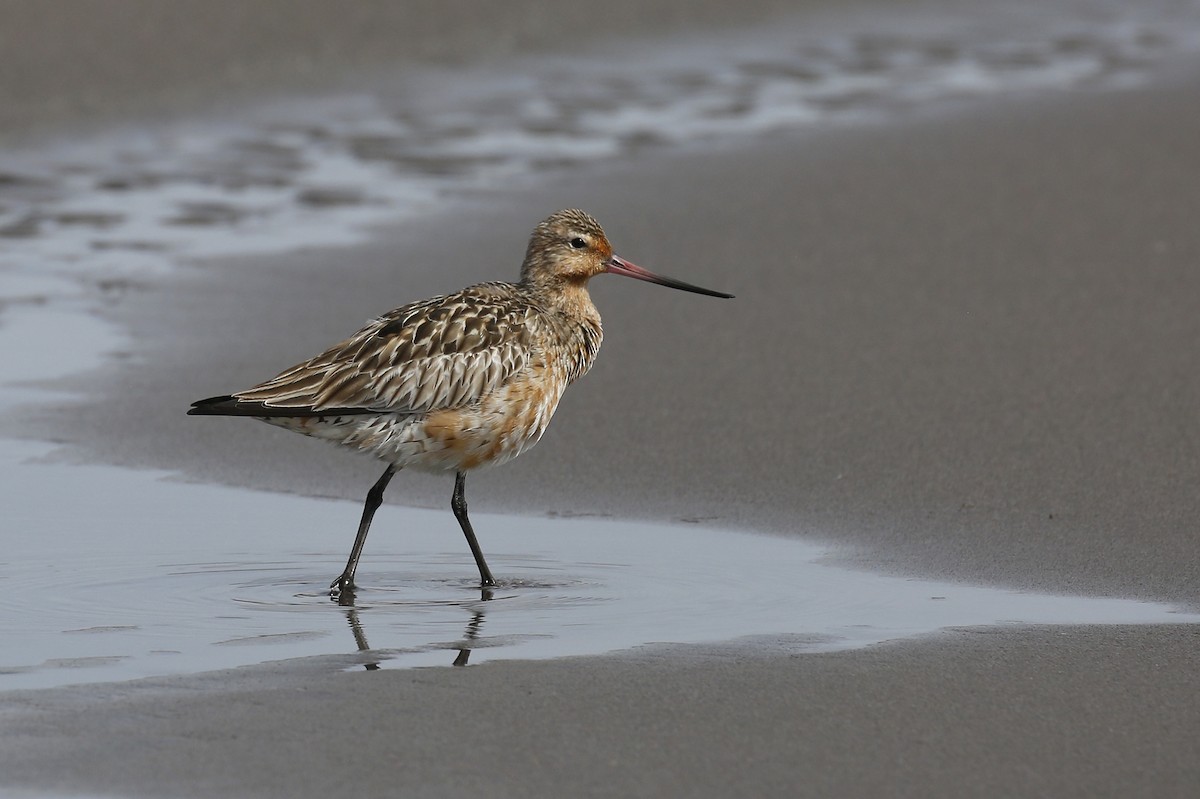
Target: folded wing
445 352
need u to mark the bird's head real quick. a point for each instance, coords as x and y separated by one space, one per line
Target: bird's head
569 247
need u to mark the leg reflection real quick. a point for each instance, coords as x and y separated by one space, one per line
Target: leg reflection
360 637
473 628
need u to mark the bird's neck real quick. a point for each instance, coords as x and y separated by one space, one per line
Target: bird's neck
581 331
569 299
570 312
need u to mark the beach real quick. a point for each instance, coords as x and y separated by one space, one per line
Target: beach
963 349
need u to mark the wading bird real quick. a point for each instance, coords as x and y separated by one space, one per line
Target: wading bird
457 381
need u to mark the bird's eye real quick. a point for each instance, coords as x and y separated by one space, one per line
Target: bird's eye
578 243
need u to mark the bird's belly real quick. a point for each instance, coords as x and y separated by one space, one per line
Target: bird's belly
393 437
495 430
492 431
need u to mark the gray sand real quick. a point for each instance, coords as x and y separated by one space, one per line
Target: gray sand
964 345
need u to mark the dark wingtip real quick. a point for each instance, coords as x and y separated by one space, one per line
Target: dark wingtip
228 405
214 406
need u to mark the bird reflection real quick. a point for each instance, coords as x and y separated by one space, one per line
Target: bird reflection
471 633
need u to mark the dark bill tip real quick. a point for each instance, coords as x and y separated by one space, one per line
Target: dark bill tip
619 266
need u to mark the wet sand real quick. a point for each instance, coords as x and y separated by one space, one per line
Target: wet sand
1034 712
963 346
103 62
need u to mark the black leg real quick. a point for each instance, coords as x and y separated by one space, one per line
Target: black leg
459 505
343 587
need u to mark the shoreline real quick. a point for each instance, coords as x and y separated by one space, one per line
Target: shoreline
84 67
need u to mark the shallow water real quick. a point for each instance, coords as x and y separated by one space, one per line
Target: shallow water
139 575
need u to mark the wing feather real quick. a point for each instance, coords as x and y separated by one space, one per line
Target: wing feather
445 352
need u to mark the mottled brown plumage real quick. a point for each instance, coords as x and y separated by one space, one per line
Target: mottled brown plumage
457 381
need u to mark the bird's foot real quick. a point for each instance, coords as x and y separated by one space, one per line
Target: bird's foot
341 590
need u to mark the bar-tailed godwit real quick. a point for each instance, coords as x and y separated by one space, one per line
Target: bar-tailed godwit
454 382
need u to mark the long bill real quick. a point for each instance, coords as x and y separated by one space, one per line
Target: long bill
619 266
